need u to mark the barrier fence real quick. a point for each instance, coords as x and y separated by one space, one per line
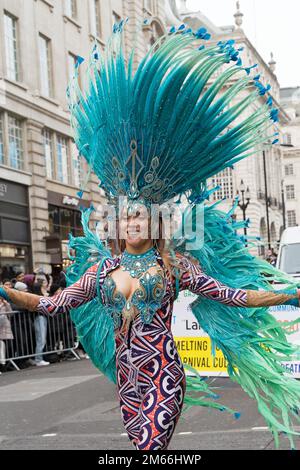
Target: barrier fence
29 330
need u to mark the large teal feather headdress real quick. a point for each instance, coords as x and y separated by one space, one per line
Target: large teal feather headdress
158 132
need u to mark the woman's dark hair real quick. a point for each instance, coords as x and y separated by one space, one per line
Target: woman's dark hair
53 289
36 287
18 273
62 282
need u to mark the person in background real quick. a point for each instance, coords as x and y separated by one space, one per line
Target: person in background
40 326
7 283
21 327
5 332
19 276
21 286
29 280
271 257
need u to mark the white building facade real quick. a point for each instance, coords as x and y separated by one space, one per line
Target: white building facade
40 172
290 101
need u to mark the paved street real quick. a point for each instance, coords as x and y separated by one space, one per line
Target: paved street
70 406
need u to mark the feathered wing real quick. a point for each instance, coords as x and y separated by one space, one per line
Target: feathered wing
253 342
93 325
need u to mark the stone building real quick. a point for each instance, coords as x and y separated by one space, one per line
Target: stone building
40 171
290 101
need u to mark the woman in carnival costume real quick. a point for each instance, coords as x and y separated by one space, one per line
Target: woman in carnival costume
153 136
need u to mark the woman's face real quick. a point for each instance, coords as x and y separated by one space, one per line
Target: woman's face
7 284
135 227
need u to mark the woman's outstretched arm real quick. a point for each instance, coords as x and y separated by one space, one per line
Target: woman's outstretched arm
195 280
73 296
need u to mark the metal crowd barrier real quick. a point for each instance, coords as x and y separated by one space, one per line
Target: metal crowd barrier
60 337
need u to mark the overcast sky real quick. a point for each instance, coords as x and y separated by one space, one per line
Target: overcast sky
271 25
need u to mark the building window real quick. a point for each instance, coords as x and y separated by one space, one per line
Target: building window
290 191
224 180
291 215
62 159
79 166
15 143
1 141
289 169
148 6
63 221
115 17
287 139
48 152
11 47
72 61
71 8
97 18
45 66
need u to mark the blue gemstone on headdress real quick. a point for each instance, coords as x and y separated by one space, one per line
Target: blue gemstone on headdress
79 60
274 115
269 102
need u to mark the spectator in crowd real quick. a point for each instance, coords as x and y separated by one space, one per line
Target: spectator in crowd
62 280
29 280
5 332
271 257
21 286
40 326
19 276
22 329
7 283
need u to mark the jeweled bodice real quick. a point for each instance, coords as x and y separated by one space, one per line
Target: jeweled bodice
146 298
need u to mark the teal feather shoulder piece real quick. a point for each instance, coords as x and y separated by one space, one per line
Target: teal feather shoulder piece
94 327
253 342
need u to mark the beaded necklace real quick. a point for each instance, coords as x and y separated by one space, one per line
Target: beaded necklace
138 264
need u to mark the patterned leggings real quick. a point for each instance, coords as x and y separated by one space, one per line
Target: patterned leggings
150 411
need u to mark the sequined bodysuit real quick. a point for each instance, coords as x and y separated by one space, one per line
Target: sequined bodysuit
150 375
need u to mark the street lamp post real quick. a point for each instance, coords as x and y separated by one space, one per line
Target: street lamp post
267 199
283 205
244 203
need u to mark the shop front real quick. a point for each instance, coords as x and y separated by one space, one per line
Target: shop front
64 218
15 246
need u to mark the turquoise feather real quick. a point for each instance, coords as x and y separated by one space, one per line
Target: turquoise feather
253 342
